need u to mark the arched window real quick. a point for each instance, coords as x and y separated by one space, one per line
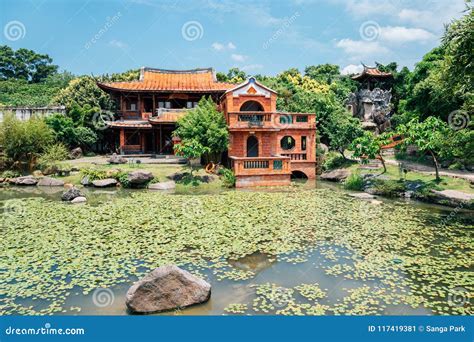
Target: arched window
252 146
251 106
287 142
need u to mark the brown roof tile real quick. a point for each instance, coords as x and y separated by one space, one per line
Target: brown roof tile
197 80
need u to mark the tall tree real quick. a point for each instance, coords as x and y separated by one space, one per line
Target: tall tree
25 64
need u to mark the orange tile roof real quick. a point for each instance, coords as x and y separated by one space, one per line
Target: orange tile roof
160 80
371 71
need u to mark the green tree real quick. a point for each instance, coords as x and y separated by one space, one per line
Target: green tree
191 149
428 135
25 64
23 141
369 146
204 126
342 128
326 73
84 91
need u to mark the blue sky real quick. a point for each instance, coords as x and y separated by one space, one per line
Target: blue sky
267 37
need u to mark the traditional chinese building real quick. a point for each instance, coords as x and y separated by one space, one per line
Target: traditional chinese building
266 147
371 103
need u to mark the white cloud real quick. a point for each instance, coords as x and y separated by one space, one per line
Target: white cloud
218 46
238 58
400 34
118 44
251 67
352 69
361 48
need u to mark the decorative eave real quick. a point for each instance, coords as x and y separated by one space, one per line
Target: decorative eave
250 80
129 124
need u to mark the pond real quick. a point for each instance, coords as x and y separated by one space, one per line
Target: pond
297 250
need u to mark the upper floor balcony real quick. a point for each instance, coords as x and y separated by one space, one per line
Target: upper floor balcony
161 115
271 120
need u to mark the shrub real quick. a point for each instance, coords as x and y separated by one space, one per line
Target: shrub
122 178
10 174
389 188
228 177
53 154
334 161
354 182
93 174
23 141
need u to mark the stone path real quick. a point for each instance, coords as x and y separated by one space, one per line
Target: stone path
469 176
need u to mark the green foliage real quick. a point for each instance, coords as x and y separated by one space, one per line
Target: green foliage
388 188
341 129
228 177
369 146
354 182
10 174
428 136
84 91
25 64
203 131
24 141
234 75
67 131
52 154
21 93
122 178
93 174
335 161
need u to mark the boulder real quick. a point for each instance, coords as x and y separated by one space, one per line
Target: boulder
139 177
453 196
362 195
70 194
167 288
25 180
162 186
117 159
80 199
76 153
177 176
49 181
103 183
335 175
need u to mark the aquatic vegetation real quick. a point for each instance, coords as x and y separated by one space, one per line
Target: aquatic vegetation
406 255
236 308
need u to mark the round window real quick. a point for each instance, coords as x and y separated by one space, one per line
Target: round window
287 142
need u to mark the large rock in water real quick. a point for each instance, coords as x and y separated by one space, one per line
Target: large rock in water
70 194
103 183
49 181
163 186
25 180
167 288
139 177
335 175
